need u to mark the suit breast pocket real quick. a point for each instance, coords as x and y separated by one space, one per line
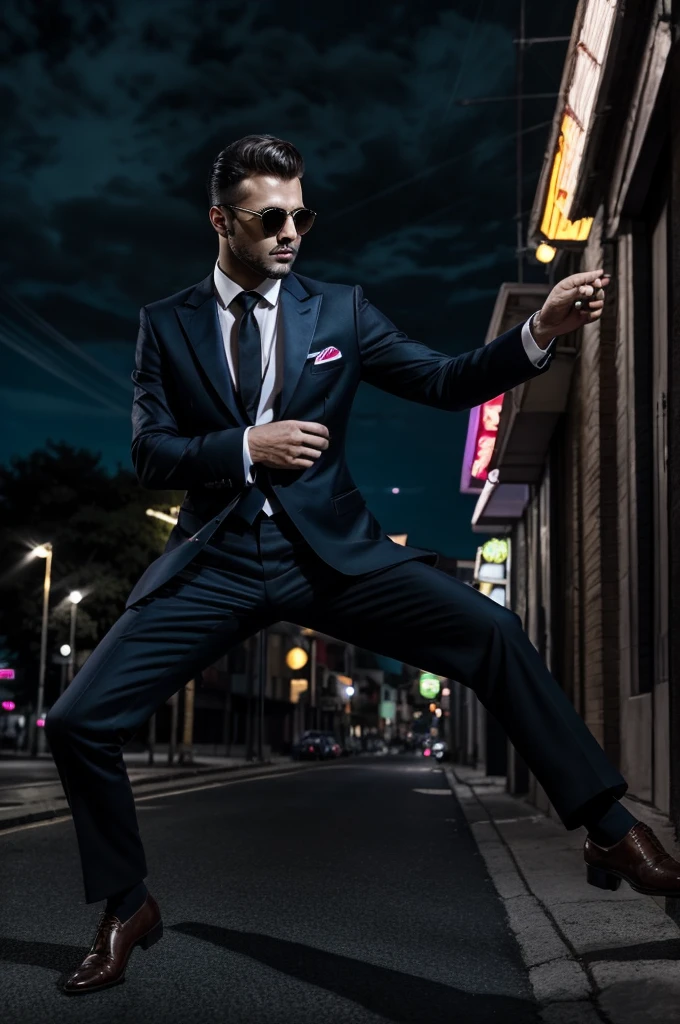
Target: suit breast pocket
332 366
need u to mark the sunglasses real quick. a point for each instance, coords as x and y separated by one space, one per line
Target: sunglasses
273 218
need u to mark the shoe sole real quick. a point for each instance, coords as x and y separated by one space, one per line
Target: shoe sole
144 942
602 878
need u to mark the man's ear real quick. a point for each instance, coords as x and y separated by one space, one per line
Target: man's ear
221 221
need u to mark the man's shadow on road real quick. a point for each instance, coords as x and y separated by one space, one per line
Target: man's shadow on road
51 955
399 997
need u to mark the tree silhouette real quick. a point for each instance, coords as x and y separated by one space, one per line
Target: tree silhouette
102 541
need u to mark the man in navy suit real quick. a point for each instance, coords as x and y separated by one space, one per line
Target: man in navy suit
243 386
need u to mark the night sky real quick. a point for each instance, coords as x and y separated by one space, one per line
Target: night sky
113 114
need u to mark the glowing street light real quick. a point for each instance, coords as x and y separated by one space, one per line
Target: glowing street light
545 253
64 650
75 597
157 514
297 658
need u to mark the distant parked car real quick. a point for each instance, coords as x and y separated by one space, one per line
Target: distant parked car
316 746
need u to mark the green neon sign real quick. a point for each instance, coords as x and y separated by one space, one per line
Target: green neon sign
429 685
495 550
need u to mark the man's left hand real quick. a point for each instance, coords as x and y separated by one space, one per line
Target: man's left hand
573 302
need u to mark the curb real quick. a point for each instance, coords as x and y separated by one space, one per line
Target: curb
563 988
46 810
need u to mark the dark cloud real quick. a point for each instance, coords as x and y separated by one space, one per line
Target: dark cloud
114 112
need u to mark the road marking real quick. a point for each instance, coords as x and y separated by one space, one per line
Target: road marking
213 785
218 785
174 792
434 792
511 821
35 824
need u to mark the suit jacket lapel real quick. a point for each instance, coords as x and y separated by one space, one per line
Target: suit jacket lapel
298 318
199 319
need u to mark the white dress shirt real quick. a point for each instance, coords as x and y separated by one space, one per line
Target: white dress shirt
267 316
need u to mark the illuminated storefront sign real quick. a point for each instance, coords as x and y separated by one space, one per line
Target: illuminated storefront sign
576 119
495 550
491 565
555 225
481 440
429 685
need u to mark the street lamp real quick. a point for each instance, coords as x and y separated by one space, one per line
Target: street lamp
297 658
42 551
75 597
157 514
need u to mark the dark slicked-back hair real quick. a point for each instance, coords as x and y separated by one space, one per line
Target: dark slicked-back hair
254 154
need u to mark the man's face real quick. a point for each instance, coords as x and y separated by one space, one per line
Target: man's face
245 236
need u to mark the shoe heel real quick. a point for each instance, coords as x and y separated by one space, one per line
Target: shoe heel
602 879
153 936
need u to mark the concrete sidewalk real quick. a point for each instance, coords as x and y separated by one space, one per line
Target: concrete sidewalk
592 955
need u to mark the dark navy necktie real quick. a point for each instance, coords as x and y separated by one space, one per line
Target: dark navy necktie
249 354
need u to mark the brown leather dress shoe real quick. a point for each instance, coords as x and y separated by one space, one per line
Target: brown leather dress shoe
105 964
639 859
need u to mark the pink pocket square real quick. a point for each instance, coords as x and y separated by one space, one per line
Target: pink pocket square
328 354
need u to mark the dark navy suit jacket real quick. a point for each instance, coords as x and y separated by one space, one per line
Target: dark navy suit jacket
188 425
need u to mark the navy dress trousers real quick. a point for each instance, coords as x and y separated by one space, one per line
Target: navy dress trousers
253 548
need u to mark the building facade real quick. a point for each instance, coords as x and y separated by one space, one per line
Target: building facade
591 447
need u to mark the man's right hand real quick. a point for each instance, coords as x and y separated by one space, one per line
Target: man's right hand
287 444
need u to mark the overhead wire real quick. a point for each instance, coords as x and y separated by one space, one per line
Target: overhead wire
432 168
427 171
47 328
34 354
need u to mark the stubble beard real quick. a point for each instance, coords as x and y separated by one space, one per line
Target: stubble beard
258 265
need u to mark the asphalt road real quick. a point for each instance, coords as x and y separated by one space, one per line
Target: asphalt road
345 894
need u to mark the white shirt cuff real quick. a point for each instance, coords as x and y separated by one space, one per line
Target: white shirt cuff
248 471
538 356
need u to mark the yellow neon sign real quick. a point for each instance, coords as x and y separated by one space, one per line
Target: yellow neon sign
555 225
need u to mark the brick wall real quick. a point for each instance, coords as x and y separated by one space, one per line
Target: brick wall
597 414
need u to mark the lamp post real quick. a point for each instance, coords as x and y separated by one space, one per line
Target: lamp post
75 597
42 551
65 652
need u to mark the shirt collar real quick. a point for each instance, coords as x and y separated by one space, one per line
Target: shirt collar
227 290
